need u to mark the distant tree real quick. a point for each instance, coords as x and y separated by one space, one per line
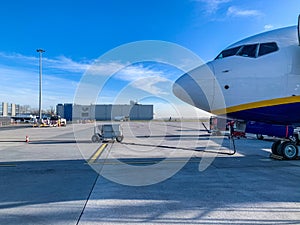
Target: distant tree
50 111
24 109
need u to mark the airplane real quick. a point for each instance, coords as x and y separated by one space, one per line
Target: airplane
255 79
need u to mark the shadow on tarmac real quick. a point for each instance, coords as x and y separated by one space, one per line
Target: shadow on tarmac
249 189
38 184
177 137
47 142
35 182
238 185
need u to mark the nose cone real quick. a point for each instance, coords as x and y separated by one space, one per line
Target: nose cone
199 88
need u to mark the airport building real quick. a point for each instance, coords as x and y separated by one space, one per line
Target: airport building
132 111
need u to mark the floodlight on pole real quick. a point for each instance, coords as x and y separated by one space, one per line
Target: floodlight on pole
40 83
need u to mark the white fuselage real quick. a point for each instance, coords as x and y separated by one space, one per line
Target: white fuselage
257 78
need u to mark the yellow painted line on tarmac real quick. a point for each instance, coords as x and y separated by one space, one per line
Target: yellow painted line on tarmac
96 155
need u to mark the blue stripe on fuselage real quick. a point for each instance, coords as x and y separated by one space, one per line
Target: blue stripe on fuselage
286 114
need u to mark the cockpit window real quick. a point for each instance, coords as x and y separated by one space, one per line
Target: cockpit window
248 51
228 52
266 48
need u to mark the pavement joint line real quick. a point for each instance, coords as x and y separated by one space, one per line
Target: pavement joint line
96 155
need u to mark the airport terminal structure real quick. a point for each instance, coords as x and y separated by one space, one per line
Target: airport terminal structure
69 111
8 109
132 111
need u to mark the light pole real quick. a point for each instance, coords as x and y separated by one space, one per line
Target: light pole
40 85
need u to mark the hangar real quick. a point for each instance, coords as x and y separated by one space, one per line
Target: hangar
132 111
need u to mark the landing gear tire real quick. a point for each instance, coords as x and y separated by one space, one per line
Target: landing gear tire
275 148
289 150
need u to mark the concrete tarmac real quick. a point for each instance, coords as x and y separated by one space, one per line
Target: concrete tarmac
162 173
45 181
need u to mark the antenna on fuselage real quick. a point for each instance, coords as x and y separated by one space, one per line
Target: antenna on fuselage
299 29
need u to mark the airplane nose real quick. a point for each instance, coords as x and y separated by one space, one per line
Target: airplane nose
199 88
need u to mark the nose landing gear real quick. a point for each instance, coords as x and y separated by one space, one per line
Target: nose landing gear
287 149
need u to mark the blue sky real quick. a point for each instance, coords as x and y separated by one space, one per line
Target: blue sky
75 33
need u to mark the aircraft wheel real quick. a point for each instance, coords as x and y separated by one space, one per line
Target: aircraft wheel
120 138
95 138
275 147
289 150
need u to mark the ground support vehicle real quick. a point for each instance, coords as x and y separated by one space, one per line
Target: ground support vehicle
107 132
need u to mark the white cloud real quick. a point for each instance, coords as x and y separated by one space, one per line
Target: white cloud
132 73
19 58
105 69
268 27
66 64
21 87
153 85
59 63
61 76
213 5
20 79
153 81
237 12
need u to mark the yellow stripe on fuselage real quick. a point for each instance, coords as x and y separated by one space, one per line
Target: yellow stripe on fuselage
260 104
